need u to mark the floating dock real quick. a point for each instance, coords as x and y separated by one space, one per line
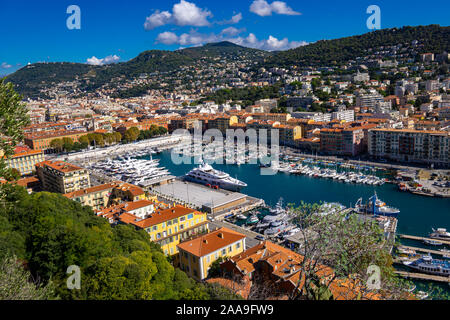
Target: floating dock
422 276
406 236
436 252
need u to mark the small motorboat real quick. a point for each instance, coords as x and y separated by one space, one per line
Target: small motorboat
240 216
440 233
253 219
422 295
432 242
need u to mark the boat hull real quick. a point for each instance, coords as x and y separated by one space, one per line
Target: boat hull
221 184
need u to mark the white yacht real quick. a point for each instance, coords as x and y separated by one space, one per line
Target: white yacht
207 175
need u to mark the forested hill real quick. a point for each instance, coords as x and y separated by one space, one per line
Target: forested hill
34 79
30 79
434 38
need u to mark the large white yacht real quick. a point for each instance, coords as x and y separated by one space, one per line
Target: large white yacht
207 175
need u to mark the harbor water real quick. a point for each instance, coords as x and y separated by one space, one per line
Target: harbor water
418 214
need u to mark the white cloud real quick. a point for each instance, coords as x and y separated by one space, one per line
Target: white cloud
235 19
167 38
157 19
194 38
263 8
270 44
183 13
188 14
5 65
232 31
100 62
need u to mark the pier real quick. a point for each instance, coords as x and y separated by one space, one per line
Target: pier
436 252
422 276
406 236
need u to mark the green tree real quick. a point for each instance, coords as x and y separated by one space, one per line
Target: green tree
15 283
57 144
13 117
67 143
348 245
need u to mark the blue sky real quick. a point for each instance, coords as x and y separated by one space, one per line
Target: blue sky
111 31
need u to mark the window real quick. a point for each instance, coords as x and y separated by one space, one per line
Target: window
158 235
224 252
155 228
171 250
238 245
216 256
230 249
208 259
182 219
190 216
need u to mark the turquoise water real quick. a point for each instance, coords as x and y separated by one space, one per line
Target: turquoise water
418 214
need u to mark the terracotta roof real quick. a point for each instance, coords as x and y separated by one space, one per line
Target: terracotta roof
82 192
59 166
160 216
211 242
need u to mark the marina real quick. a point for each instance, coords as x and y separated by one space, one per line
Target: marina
444 254
266 217
406 236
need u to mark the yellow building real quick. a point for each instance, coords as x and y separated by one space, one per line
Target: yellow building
197 255
166 226
171 226
128 192
222 123
282 118
97 197
108 194
62 177
25 160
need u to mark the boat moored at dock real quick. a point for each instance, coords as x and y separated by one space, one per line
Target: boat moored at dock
376 207
429 265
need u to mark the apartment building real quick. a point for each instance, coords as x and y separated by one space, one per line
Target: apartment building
62 177
222 123
348 141
41 140
167 226
369 100
97 197
24 160
288 134
421 146
197 255
282 118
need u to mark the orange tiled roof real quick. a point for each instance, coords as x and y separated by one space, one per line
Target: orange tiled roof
211 242
59 166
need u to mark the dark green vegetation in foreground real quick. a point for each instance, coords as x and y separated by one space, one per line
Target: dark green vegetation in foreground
48 233
30 79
